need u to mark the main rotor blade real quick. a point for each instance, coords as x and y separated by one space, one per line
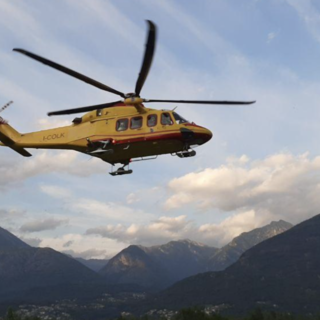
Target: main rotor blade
84 109
148 56
70 72
201 101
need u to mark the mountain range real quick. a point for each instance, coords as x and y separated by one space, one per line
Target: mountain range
34 274
157 267
278 269
281 273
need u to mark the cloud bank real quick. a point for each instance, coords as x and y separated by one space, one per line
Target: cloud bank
282 185
42 225
244 193
14 171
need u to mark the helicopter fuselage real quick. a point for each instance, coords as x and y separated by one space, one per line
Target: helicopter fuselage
121 133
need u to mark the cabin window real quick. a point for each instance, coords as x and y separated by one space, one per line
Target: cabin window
122 124
166 119
178 118
152 120
136 123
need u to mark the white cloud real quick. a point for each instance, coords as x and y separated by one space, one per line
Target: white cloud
159 231
26 24
42 225
56 192
23 97
109 15
46 123
15 170
33 242
309 14
282 185
68 244
11 214
166 229
84 244
212 40
87 254
271 36
88 207
132 198
222 233
108 210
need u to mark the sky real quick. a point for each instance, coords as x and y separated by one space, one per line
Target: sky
262 165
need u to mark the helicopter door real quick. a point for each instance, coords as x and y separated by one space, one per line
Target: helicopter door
152 121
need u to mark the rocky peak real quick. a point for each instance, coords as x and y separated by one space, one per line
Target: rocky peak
230 253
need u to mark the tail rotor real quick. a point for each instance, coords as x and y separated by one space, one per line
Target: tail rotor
3 121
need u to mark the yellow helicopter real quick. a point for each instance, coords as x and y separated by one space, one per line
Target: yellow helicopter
117 132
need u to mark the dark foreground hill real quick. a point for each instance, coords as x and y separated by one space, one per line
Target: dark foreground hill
24 268
230 253
8 241
282 273
29 268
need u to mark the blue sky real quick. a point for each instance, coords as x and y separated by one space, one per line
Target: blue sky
261 165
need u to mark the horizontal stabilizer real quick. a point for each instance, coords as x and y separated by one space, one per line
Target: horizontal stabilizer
6 140
21 151
11 144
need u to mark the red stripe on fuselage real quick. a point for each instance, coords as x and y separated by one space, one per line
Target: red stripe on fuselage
155 136
145 137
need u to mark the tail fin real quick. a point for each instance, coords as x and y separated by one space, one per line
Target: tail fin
9 136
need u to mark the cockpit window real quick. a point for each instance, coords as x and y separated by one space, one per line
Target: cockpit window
166 119
178 118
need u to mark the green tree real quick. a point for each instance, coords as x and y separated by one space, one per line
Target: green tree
257 314
11 315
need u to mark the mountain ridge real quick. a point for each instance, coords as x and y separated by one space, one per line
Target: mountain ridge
231 252
179 259
280 274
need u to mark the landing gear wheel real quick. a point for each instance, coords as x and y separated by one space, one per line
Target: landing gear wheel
121 171
186 154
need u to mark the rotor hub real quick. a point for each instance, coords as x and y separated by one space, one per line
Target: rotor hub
130 95
133 100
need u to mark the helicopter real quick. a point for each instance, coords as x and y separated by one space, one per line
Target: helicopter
117 132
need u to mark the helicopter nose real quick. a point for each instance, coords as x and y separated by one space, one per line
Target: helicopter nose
198 135
207 135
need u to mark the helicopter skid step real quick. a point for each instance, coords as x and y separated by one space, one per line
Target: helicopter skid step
102 151
186 154
120 172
